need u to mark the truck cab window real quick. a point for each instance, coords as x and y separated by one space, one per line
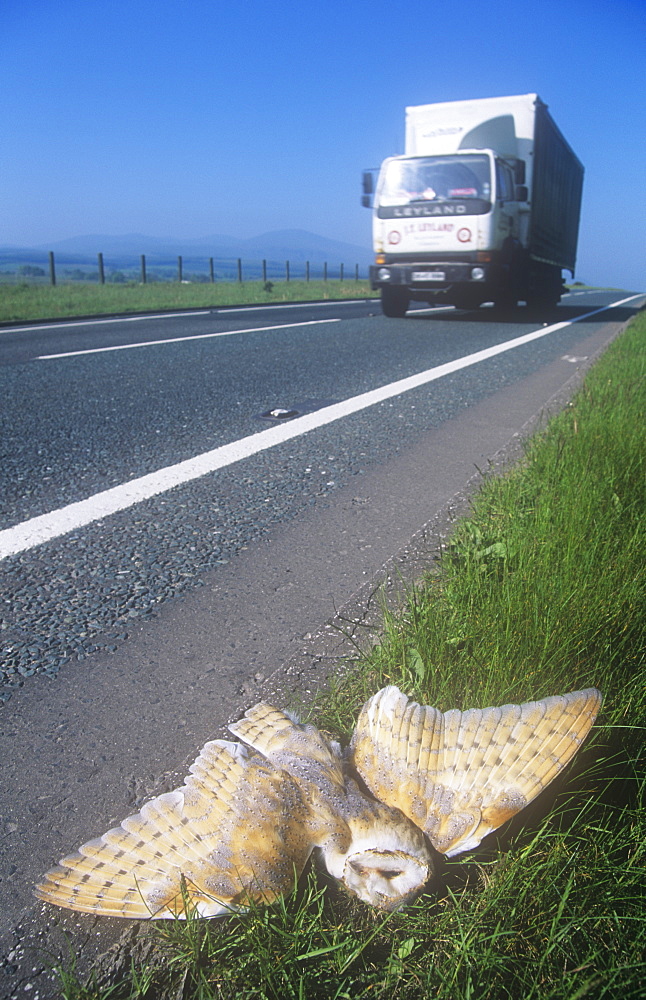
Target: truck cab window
435 178
504 182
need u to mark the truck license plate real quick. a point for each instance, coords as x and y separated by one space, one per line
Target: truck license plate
429 275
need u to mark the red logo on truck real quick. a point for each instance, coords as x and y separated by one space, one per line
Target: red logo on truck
464 235
394 237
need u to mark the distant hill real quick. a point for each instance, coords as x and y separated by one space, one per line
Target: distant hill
296 245
300 245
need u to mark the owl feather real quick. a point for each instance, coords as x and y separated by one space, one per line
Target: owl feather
205 844
461 775
366 844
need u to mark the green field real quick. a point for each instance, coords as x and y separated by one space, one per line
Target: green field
541 590
26 302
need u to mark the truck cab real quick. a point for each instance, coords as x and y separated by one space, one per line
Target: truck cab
446 224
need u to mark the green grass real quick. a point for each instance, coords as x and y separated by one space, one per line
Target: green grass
540 591
25 302
32 301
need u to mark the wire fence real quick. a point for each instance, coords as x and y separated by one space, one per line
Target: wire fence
147 268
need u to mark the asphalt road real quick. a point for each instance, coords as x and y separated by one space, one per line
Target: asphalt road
130 639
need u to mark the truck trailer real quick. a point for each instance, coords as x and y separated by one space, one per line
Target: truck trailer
483 206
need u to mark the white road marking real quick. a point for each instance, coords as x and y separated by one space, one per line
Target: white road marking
297 305
180 340
103 322
46 527
431 309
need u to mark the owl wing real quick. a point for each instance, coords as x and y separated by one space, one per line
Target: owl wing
233 832
300 749
460 775
316 765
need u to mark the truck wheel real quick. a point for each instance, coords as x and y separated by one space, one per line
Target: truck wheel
394 302
542 308
505 303
546 288
543 301
466 301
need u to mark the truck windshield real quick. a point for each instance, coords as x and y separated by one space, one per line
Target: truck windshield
436 178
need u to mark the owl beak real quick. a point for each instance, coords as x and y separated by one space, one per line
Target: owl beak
391 905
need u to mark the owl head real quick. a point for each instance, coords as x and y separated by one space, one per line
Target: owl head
384 878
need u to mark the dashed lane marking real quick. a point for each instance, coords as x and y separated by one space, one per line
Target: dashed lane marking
104 322
180 340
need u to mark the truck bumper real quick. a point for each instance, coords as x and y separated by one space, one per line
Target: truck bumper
436 276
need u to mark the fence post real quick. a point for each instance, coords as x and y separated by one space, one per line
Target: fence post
356 272
286 270
307 270
325 271
180 270
264 272
341 272
101 270
143 268
52 268
239 269
211 272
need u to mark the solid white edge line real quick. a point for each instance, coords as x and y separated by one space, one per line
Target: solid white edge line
180 315
103 322
297 305
46 527
429 309
180 340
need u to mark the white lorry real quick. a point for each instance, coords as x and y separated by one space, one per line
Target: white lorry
483 207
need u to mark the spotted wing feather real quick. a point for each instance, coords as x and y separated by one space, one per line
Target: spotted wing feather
284 741
460 775
336 808
233 832
300 749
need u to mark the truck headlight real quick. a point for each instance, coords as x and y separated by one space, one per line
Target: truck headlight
477 273
383 274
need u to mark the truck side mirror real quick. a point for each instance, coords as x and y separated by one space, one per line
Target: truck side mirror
368 186
522 194
367 182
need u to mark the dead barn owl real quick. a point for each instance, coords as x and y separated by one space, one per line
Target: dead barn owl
413 781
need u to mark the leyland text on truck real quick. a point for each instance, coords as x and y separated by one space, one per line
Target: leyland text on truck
483 207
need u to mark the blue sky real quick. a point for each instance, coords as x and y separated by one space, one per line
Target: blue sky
193 118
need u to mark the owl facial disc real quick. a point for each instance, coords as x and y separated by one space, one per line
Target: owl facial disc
385 879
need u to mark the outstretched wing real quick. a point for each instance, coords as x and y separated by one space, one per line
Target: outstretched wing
288 743
317 766
300 749
233 832
460 775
